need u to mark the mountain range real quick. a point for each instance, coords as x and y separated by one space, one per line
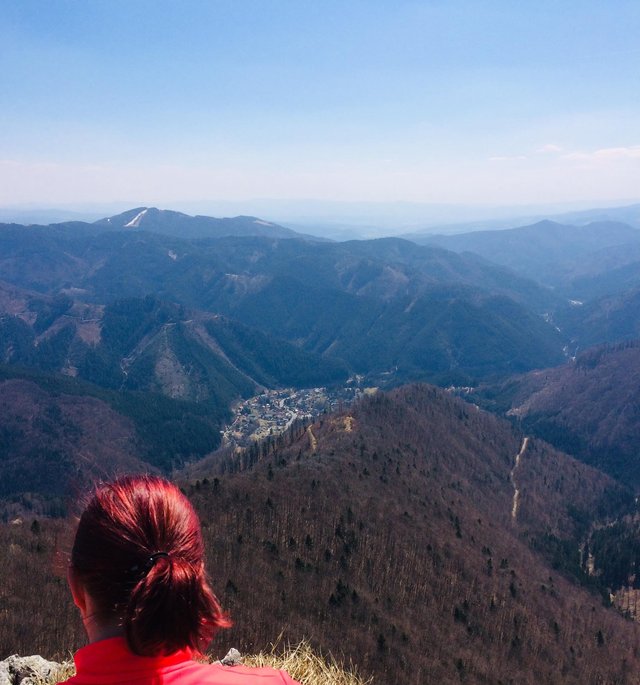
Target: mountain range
437 541
554 254
211 320
335 299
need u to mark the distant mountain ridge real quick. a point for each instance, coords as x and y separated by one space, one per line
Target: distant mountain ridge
547 251
168 222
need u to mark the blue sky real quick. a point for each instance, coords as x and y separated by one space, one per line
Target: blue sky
158 102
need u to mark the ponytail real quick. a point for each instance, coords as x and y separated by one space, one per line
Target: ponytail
138 551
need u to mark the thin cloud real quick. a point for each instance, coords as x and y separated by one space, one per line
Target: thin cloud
605 154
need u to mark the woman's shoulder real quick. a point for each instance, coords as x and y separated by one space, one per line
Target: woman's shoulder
193 673
109 662
217 674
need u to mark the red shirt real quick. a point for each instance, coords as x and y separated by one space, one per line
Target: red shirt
110 662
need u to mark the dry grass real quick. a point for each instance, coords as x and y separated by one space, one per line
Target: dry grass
307 667
300 662
65 670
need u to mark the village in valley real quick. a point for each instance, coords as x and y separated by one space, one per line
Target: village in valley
273 411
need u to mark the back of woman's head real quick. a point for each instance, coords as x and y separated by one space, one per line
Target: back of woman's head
138 553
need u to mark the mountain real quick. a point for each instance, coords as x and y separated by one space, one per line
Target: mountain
628 214
384 306
58 435
148 345
607 272
52 444
588 407
181 225
509 217
447 334
165 376
403 533
109 265
421 536
608 319
551 253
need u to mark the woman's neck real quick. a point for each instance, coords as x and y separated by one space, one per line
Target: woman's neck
97 629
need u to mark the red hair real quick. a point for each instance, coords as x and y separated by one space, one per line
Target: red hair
138 552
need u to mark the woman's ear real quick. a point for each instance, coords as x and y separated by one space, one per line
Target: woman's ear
77 591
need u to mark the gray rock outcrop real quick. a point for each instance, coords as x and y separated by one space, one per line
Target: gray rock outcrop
27 670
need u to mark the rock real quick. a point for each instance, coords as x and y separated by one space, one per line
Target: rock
27 670
231 658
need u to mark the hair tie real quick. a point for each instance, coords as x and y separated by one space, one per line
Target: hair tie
156 555
147 565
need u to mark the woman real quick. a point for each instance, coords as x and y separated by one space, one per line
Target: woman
137 576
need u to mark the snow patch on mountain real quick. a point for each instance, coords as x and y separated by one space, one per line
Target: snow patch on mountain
135 222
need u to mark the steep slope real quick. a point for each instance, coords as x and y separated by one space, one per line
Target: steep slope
388 532
57 432
351 300
587 407
149 345
446 334
52 445
606 272
144 263
608 319
44 258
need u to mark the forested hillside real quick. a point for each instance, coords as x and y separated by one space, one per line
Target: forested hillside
437 541
382 307
58 435
387 533
587 407
145 344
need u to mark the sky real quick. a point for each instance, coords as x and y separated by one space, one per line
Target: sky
441 102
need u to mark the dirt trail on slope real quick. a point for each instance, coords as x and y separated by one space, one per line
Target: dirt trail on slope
516 491
312 440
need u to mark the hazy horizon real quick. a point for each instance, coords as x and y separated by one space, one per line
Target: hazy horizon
349 220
